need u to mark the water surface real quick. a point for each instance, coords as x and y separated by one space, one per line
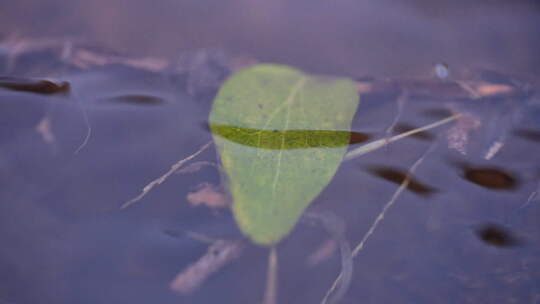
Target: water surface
85 126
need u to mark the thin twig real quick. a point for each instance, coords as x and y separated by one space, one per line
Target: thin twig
532 197
372 146
400 103
164 177
88 132
335 226
86 123
391 202
378 219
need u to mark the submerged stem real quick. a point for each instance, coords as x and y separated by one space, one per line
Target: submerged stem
335 226
270 294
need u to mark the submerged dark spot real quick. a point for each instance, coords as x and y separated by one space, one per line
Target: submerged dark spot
438 113
403 127
397 176
495 77
205 126
45 87
137 99
496 235
172 233
357 138
490 177
528 134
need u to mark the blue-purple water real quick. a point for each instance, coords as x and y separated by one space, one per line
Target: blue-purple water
141 80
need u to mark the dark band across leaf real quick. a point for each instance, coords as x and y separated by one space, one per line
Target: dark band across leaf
288 139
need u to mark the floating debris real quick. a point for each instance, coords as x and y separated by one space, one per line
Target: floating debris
219 254
208 195
494 149
458 135
44 129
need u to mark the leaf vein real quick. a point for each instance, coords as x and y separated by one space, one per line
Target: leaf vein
299 84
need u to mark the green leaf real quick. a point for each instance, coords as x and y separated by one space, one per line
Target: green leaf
281 135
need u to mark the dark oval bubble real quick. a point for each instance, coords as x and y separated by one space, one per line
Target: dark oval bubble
528 134
137 99
44 87
397 176
496 235
490 177
404 127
